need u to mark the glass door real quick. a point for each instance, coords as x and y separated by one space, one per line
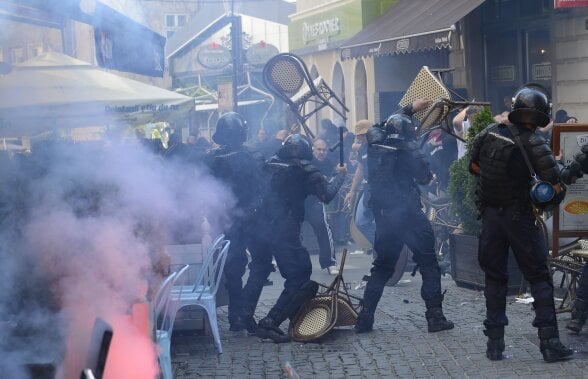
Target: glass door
538 57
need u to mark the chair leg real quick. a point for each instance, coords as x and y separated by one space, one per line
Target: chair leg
212 320
165 361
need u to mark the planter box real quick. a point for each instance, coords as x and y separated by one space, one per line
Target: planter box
466 270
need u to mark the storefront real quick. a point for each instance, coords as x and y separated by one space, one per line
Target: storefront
410 35
317 34
518 47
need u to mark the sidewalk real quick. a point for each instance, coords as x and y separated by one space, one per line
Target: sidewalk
399 346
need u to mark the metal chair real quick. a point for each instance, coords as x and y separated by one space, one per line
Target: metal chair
287 77
164 318
203 292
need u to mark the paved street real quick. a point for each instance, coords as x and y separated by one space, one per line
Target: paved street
399 346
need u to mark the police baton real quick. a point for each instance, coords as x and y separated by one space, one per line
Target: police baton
341 154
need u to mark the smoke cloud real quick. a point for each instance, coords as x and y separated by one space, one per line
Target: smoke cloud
82 235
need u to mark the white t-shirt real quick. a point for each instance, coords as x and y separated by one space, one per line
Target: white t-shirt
461 146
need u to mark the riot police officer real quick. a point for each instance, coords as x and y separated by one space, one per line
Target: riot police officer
396 167
293 178
241 168
506 203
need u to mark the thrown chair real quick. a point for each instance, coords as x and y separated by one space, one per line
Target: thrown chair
203 291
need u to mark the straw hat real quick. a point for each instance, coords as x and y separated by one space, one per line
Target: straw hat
362 126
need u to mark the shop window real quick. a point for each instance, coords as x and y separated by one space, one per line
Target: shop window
539 57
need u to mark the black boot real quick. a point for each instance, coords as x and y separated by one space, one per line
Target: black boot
246 322
495 344
234 324
268 329
578 316
551 347
436 320
371 297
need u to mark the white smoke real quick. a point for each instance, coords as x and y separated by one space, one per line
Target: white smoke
82 230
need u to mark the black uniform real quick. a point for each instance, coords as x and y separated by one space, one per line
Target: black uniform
508 219
240 168
395 168
293 178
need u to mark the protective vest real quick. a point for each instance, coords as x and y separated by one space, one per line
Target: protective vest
496 185
392 171
285 200
291 182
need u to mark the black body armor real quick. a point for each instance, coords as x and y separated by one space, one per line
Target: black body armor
505 177
494 154
394 169
291 182
240 168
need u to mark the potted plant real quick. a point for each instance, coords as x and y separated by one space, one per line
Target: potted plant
465 268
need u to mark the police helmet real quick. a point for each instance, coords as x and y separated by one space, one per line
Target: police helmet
296 146
400 124
231 129
531 105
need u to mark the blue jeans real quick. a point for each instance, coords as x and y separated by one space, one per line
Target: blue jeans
364 220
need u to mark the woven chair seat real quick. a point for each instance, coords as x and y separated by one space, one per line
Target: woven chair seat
328 309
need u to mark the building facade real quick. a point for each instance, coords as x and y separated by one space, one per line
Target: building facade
491 48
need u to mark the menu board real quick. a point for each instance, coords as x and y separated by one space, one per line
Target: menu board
570 218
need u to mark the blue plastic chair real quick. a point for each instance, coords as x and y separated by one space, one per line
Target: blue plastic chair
203 292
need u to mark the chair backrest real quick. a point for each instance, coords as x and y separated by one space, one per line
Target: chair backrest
168 317
161 299
212 269
207 259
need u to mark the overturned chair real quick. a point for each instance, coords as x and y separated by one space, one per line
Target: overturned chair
327 310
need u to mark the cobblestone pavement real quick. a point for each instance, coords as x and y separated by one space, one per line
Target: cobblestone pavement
399 346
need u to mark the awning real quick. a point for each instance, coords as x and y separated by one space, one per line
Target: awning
214 106
54 91
409 26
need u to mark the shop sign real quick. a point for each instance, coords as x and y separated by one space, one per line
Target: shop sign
503 73
214 56
570 3
320 29
260 53
541 71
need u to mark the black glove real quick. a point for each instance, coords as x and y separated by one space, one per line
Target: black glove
582 159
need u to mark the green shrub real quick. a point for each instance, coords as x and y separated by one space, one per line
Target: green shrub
462 184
